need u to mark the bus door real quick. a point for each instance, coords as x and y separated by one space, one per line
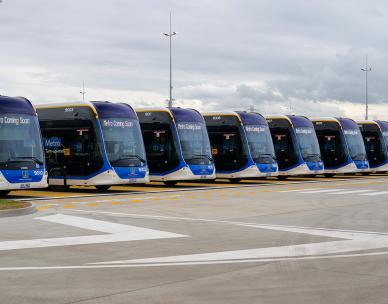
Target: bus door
374 144
72 149
161 148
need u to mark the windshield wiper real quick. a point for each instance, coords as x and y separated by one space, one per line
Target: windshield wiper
21 158
199 156
268 155
128 157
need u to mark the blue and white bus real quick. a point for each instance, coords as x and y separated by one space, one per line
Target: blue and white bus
342 146
21 153
241 145
375 135
177 145
296 145
92 143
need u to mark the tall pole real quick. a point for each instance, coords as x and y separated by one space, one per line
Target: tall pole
169 35
366 70
83 91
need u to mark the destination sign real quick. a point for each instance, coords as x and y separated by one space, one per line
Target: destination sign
6 120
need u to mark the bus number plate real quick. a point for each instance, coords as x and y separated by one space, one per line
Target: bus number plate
25 186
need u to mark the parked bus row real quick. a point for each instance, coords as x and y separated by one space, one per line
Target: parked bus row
102 144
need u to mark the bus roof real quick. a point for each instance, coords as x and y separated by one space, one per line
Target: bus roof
178 114
252 118
345 123
383 125
295 120
106 109
16 105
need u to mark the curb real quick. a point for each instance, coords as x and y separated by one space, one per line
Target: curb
18 212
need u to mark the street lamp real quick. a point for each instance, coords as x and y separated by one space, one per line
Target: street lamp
83 91
169 35
366 70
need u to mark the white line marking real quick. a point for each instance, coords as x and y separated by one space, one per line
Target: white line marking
354 241
322 191
375 193
297 190
352 191
296 259
116 233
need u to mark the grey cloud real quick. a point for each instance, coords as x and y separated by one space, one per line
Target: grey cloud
302 51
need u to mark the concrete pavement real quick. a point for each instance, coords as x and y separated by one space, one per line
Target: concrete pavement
308 242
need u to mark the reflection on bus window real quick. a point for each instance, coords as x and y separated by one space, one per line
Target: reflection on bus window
308 144
355 144
260 144
123 142
194 142
19 142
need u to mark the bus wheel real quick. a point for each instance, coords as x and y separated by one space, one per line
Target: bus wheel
4 193
235 180
170 183
282 177
102 188
57 188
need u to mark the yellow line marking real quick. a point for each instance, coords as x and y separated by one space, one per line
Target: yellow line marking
135 201
68 206
92 205
42 208
116 203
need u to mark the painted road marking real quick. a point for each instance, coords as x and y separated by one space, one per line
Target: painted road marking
322 191
375 193
303 189
354 241
350 241
352 192
115 233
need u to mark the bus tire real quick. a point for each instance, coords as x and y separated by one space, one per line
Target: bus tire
235 180
170 183
4 193
102 188
329 175
282 177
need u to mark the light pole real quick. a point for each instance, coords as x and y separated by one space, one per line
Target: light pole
83 91
169 35
366 70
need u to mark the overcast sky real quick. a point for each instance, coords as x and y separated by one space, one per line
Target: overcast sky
228 54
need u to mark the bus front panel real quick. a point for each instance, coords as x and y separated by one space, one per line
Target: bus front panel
228 145
72 142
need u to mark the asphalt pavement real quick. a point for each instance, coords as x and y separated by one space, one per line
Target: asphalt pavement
299 241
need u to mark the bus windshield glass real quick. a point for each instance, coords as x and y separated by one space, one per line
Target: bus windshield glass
123 142
308 144
355 144
20 142
194 142
260 143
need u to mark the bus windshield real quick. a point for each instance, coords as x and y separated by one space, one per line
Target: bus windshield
260 143
20 142
308 144
355 144
194 142
123 142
